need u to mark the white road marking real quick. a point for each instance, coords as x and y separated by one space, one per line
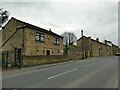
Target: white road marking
62 73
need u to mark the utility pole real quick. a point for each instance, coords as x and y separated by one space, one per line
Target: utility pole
82 44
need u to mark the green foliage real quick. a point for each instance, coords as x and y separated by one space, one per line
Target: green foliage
72 46
4 15
12 63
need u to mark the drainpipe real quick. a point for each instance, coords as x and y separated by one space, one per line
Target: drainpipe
23 41
22 50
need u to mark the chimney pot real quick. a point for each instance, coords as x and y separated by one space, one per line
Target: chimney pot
82 33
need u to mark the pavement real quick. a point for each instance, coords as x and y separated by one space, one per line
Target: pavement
15 71
99 72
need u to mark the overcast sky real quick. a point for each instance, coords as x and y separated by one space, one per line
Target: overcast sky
97 19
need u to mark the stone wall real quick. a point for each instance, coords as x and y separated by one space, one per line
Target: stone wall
37 60
34 47
95 49
13 38
9 29
75 53
14 42
115 49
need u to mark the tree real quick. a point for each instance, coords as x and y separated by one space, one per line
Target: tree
69 38
4 15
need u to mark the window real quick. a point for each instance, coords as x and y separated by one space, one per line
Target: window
37 37
40 37
56 41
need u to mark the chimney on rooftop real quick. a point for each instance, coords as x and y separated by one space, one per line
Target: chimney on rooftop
105 41
50 29
82 33
97 39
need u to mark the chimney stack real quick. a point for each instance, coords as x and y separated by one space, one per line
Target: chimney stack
97 39
50 29
105 41
82 33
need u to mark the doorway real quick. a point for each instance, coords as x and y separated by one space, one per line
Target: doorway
47 52
17 57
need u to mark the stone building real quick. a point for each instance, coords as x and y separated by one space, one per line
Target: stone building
21 38
93 48
84 44
115 49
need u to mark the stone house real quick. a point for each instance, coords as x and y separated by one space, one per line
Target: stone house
115 49
20 38
93 48
84 44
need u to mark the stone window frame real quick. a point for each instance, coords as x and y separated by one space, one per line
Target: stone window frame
56 41
40 37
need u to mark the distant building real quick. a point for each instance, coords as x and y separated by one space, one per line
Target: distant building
115 49
93 48
19 37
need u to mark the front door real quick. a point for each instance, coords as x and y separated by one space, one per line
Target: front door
47 52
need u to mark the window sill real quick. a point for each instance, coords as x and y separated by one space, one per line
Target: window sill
57 44
40 41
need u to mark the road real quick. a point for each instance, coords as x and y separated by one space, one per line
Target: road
99 72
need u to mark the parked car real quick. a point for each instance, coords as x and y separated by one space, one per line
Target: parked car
117 54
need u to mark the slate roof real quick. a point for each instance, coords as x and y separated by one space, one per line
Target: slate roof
36 28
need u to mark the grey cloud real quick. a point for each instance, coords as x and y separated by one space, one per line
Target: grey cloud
96 19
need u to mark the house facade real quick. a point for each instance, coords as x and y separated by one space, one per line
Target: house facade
93 48
21 38
115 49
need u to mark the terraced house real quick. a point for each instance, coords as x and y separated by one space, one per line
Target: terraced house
93 48
19 37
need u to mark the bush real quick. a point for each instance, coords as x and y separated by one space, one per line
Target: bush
12 63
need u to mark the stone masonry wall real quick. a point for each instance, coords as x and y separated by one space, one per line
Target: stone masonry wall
34 47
